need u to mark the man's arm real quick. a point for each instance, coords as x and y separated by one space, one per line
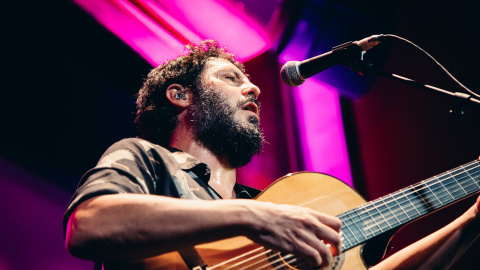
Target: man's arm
132 226
442 248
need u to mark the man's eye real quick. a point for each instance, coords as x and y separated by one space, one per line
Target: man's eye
231 78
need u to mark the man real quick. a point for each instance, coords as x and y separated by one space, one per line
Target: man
198 117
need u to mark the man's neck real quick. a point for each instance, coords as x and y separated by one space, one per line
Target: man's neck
222 177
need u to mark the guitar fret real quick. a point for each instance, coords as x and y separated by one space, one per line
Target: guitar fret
431 191
458 183
400 216
468 177
346 243
355 229
349 235
413 209
390 205
372 218
365 225
476 173
442 193
389 212
467 184
453 188
406 205
398 208
415 200
383 217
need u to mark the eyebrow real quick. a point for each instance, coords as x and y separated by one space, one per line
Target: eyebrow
237 73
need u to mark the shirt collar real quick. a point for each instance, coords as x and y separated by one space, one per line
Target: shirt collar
185 160
189 163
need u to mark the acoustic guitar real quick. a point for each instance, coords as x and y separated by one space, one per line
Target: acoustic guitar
375 221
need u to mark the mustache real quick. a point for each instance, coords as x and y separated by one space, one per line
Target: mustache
250 98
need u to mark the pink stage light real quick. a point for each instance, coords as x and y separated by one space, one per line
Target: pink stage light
319 116
223 21
134 28
159 29
321 130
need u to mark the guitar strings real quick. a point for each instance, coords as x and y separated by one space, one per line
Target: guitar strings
388 218
426 184
405 194
265 262
466 174
288 260
239 256
392 198
294 262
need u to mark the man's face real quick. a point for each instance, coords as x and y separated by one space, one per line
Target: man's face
224 114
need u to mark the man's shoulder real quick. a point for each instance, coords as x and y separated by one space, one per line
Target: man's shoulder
138 144
147 149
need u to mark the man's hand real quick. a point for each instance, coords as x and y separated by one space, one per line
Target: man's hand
301 231
477 206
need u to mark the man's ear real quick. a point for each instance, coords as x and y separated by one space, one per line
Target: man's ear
179 96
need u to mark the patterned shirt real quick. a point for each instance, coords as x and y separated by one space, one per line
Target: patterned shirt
137 166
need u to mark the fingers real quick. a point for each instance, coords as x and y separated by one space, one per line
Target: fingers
327 239
317 255
332 238
302 231
331 221
478 205
316 251
327 229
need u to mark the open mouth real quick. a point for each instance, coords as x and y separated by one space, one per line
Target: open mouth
251 106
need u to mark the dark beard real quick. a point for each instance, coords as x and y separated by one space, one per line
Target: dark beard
216 128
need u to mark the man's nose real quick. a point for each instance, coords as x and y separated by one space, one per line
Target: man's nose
251 89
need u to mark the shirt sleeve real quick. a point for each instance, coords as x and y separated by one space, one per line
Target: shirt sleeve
126 167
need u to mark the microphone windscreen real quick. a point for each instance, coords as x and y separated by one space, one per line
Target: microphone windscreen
290 74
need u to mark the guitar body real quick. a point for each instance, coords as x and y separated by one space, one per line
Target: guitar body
323 193
313 190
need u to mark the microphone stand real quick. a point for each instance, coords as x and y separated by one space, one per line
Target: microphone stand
460 100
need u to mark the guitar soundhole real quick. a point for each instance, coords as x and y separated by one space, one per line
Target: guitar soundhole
286 261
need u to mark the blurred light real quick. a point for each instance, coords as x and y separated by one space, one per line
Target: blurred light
320 123
224 22
319 116
159 29
134 28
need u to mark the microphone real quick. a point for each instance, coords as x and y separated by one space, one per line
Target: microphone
294 73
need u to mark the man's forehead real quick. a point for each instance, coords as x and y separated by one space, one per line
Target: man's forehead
217 64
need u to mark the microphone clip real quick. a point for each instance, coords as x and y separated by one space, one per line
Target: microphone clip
459 104
349 53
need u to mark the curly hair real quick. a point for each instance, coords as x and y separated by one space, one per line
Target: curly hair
156 117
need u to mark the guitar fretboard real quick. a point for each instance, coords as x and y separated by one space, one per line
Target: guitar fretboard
396 209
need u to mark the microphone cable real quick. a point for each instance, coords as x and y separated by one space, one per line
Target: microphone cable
431 57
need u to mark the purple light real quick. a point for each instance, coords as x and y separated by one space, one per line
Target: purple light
224 22
321 129
158 30
32 211
134 28
319 116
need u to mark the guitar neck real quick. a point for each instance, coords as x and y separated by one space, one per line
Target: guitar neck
399 208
